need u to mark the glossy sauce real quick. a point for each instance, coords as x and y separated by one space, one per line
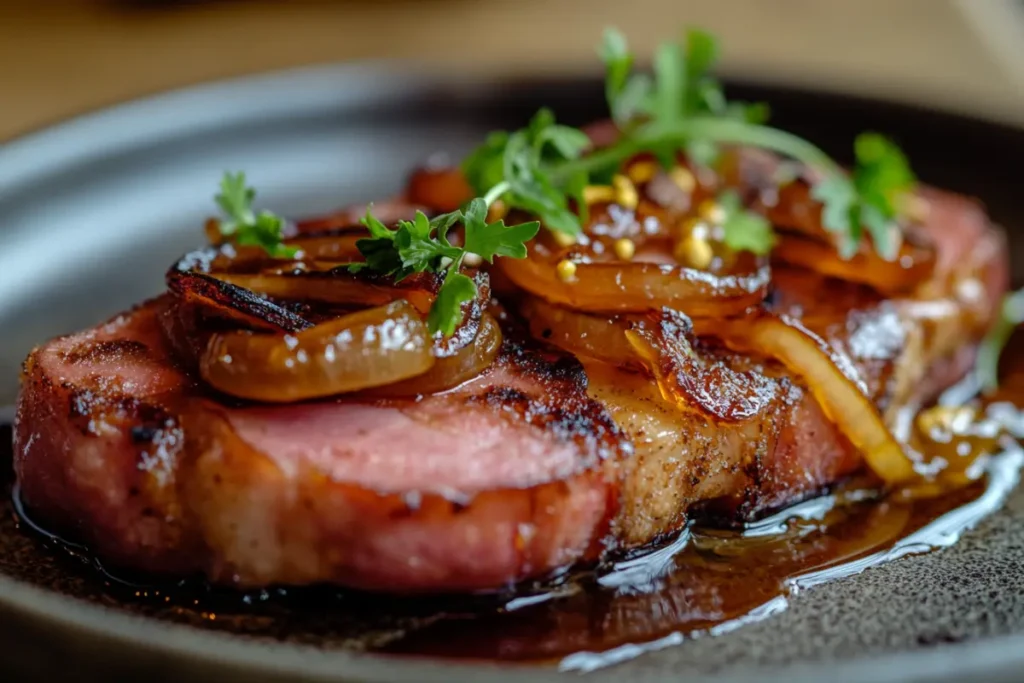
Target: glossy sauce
704 583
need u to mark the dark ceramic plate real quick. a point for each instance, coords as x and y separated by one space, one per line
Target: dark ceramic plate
94 210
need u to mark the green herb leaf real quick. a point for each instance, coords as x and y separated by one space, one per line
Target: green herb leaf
244 225
1011 314
670 79
745 230
839 212
446 313
882 176
485 166
870 200
488 240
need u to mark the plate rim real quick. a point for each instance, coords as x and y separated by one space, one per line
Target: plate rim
89 136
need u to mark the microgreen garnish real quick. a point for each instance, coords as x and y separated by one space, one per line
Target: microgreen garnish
544 168
684 108
744 230
1011 314
872 200
421 245
242 223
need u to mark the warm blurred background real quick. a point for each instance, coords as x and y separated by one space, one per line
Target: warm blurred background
59 58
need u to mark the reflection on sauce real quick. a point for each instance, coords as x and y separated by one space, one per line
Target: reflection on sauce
706 582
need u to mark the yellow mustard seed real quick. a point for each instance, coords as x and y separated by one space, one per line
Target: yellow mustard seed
683 178
566 270
592 194
642 171
625 192
711 211
624 249
694 252
563 239
497 211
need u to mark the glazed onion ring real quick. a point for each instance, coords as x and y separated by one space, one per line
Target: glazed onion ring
913 264
597 336
637 286
370 348
832 383
658 343
450 371
804 242
338 287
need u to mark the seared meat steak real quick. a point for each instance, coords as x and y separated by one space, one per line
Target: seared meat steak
542 461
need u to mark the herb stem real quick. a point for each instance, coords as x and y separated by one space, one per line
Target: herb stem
712 129
495 192
987 364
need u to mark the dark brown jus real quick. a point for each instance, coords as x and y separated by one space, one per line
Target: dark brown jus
706 581
542 462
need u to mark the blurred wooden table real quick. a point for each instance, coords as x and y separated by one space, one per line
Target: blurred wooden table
62 58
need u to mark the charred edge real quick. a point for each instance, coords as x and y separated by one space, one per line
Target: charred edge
105 351
89 409
578 420
425 282
547 365
235 298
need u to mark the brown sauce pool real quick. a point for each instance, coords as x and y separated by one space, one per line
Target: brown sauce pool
704 583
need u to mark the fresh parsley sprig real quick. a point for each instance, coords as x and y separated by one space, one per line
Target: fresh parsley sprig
684 108
872 199
544 168
243 224
1011 314
744 230
515 167
422 245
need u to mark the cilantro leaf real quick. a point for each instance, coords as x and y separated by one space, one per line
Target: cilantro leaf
870 199
488 240
745 230
484 167
421 245
417 249
446 313
627 93
243 224
882 176
670 79
1011 314
839 210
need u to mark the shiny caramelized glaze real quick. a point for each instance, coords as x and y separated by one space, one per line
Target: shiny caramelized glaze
620 498
706 581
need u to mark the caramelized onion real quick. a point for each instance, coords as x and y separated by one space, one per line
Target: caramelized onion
913 264
217 299
443 189
658 343
389 211
595 336
366 349
832 382
451 371
338 286
637 286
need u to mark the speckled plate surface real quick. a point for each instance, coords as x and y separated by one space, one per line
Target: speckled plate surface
92 211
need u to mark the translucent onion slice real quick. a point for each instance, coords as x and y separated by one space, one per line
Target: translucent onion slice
442 189
217 299
832 383
370 348
913 265
660 344
594 336
338 287
638 286
450 371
